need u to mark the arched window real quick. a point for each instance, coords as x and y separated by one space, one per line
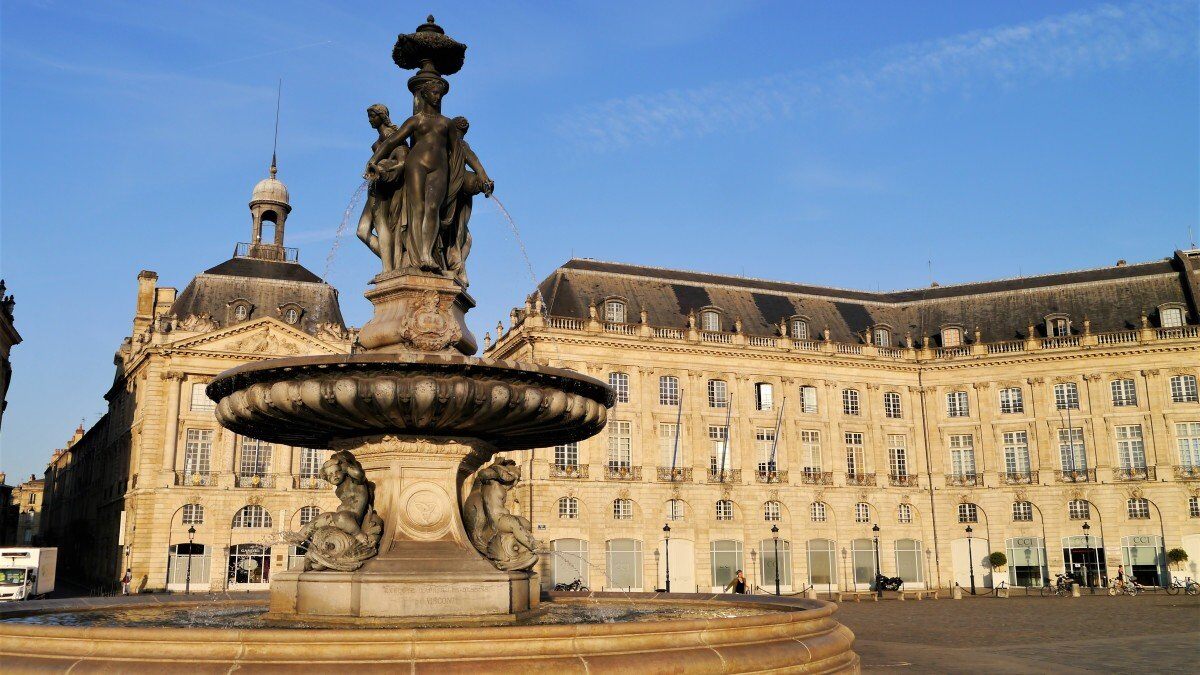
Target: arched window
862 512
718 394
726 561
883 337
968 513
710 320
818 512
620 384
904 514
623 509
1139 508
252 516
724 509
676 510
614 311
771 511
1058 325
308 514
799 329
568 507
891 405
193 514
1022 512
850 402
1079 509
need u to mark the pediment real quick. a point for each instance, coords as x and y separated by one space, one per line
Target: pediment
263 337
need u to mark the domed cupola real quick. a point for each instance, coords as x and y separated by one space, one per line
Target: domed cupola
268 203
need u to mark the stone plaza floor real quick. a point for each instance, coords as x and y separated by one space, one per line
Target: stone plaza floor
1147 634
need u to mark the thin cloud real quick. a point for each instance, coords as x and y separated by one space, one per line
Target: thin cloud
1005 57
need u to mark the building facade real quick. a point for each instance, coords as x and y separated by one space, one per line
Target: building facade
27 501
1054 419
156 485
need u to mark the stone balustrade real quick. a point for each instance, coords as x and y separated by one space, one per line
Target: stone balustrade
574 471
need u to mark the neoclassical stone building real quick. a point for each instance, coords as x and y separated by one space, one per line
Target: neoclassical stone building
127 492
1054 419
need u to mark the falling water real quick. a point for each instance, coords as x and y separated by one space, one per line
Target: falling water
512 225
346 216
567 558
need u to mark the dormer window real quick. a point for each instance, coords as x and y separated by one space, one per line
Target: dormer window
799 329
710 320
291 313
240 310
952 336
1058 325
1170 316
883 337
614 311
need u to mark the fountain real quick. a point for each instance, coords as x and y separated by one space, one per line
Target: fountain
422 564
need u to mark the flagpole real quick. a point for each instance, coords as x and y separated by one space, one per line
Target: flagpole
775 439
728 416
678 418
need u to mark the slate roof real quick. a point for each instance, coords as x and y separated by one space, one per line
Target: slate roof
1113 298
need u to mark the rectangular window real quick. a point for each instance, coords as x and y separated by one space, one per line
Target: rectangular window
311 460
810 445
256 458
897 454
1187 436
764 440
1183 389
850 402
764 396
718 394
197 451
1016 452
1124 393
1011 401
891 405
1022 512
1139 509
883 337
1066 396
1079 509
808 400
620 384
668 390
1131 451
957 404
614 311
620 444
1171 317
1071 449
968 513
623 509
200 400
724 509
800 329
720 459
670 445
962 455
566 456
855 464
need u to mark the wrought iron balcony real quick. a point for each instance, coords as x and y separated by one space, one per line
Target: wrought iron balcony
808 477
622 472
1134 473
254 481
764 475
1077 476
568 470
680 474
902 480
1019 477
309 483
964 480
1187 473
195 478
863 479
726 476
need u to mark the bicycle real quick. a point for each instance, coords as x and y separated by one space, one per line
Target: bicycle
1128 587
1061 587
1186 585
574 586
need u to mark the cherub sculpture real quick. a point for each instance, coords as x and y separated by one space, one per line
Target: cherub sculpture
346 538
504 538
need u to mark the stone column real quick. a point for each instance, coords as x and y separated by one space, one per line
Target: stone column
174 381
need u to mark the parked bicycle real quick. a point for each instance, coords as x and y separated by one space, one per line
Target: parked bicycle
576 585
1128 587
1186 585
1061 587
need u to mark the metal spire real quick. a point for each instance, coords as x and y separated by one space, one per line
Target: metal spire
275 142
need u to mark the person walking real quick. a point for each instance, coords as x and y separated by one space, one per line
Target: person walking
737 583
126 581
1120 577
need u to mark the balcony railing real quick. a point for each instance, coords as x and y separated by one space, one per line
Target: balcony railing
865 479
711 336
1019 477
1134 473
670 333
1008 347
808 477
964 480
1187 473
309 483
622 472
621 328
564 323
1178 332
196 478
1060 342
579 471
902 480
726 476
254 481
680 474
771 476
1120 337
1077 476
951 352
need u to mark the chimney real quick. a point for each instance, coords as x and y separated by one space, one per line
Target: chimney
147 280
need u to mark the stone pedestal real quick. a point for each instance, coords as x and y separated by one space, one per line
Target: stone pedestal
418 312
427 571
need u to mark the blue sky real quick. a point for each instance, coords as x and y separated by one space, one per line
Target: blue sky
836 143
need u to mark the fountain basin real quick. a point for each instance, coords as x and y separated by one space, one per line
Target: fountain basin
779 634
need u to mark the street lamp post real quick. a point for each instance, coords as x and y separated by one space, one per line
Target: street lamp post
187 581
667 547
844 573
971 559
878 573
775 536
1087 543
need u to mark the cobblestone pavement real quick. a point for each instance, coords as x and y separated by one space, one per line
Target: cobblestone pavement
1146 634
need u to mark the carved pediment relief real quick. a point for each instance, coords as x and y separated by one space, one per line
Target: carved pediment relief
265 337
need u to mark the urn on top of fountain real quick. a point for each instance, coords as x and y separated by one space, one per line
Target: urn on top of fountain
423 176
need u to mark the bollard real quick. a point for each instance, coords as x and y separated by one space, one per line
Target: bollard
1074 590
811 593
957 594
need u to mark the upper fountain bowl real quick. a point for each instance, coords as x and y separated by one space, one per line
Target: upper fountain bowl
313 401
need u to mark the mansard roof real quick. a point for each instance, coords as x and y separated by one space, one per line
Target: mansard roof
1112 298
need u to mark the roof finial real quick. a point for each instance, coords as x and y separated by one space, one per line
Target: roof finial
275 142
